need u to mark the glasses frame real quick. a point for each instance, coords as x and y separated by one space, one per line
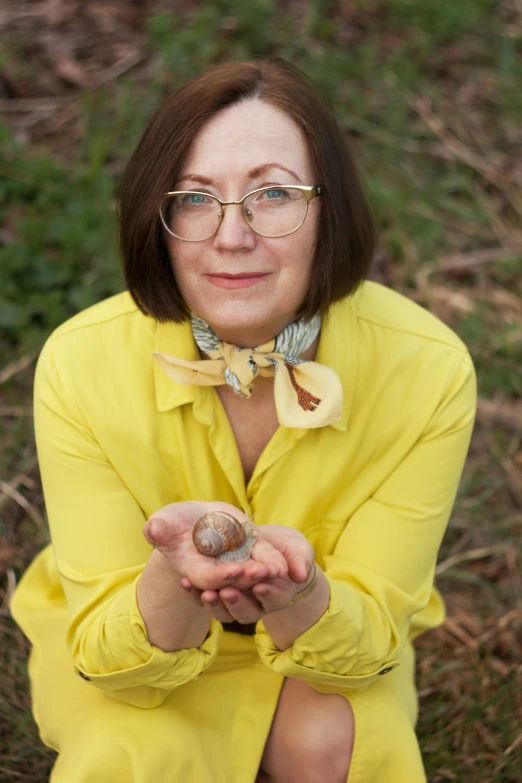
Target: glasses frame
310 191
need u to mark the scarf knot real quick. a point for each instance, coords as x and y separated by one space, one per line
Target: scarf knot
307 394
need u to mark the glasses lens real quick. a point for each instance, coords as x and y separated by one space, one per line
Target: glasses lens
192 216
276 211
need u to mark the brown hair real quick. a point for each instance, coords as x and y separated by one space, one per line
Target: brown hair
346 234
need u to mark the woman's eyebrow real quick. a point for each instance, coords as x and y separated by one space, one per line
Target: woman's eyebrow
252 174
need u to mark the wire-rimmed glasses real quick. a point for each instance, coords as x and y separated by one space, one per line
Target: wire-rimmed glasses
272 211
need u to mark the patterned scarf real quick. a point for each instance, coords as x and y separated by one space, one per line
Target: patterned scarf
307 394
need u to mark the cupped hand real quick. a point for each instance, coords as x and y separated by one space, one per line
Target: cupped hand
169 530
271 594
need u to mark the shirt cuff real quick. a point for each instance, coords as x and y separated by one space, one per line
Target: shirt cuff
146 664
329 655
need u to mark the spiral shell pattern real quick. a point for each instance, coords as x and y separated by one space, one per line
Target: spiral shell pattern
218 534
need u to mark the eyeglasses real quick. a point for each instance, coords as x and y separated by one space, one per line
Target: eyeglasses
273 211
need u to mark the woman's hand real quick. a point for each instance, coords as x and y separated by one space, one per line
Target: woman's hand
169 530
271 594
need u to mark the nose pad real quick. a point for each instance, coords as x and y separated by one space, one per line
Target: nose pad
242 220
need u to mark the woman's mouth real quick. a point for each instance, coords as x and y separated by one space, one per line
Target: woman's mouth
242 280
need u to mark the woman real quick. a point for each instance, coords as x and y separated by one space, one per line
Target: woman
243 222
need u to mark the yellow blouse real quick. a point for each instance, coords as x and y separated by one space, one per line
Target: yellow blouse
117 440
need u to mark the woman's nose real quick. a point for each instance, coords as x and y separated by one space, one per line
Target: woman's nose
234 232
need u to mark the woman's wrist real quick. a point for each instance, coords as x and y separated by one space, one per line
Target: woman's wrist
173 619
288 624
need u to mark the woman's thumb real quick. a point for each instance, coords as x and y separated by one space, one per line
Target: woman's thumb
156 532
300 564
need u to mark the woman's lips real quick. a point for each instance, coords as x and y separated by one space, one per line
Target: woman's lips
243 281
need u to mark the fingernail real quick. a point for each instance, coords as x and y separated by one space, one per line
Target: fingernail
262 593
231 600
187 589
214 602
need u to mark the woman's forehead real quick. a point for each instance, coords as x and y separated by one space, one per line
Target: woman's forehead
245 140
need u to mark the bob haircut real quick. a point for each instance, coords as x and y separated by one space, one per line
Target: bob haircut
346 232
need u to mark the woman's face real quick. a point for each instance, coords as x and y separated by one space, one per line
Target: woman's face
243 147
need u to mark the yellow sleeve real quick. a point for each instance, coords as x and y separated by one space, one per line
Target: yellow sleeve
382 570
96 531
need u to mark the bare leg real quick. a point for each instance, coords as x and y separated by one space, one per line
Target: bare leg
311 738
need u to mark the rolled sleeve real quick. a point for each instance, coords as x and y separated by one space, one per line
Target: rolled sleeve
116 656
327 655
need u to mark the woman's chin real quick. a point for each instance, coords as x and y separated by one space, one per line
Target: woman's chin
244 324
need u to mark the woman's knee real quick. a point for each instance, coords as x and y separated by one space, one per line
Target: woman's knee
323 743
312 736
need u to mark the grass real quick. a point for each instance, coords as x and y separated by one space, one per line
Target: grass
430 97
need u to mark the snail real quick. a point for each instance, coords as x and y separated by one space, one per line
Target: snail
218 534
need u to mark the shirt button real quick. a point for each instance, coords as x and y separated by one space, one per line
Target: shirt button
84 676
385 671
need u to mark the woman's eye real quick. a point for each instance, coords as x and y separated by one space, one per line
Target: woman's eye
272 196
193 198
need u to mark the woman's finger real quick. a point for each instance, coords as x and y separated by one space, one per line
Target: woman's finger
243 607
208 573
264 552
233 605
265 597
211 600
294 547
271 597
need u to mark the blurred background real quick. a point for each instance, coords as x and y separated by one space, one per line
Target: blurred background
430 96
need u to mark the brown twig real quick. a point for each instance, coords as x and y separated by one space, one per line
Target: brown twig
498 625
11 584
472 554
18 366
462 635
22 478
122 66
513 745
464 262
28 507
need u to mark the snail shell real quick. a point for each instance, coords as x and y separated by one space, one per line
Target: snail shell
218 534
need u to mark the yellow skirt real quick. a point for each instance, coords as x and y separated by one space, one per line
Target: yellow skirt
211 730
